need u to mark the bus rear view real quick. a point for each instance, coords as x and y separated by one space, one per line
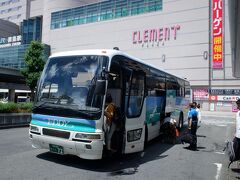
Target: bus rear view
67 109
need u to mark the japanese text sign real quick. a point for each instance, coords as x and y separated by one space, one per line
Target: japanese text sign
217 34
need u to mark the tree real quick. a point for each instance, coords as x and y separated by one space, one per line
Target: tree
34 65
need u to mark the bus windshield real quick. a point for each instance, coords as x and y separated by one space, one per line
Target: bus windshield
67 87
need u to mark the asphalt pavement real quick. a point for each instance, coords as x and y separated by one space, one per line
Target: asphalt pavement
19 161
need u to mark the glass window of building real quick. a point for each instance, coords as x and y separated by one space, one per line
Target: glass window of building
103 11
13 56
106 11
15 1
137 7
31 30
121 8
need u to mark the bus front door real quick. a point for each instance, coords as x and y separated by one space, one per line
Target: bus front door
135 111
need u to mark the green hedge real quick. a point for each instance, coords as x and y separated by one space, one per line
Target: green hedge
15 107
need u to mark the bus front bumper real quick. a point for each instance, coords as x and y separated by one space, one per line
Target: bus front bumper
85 150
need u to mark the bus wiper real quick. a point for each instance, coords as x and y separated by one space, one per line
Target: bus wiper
64 99
88 108
88 113
42 103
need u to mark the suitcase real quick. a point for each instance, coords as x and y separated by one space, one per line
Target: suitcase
232 150
187 138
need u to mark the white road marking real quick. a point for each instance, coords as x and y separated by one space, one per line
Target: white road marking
230 116
221 125
217 123
219 167
219 152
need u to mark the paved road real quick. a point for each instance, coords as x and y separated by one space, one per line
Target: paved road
18 161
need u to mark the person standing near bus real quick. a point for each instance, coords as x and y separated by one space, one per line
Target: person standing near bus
111 126
199 113
192 125
238 120
237 135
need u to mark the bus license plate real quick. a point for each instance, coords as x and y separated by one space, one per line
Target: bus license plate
56 149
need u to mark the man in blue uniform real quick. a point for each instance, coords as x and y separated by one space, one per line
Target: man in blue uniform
192 125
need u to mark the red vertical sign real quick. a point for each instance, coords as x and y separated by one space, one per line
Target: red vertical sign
217 34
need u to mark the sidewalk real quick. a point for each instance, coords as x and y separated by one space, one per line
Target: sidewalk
218 113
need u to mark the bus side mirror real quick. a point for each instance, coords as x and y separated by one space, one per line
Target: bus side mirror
100 87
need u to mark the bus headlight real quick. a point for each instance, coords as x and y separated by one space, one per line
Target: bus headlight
88 136
34 129
134 135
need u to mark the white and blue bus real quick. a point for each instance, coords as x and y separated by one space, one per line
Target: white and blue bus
68 115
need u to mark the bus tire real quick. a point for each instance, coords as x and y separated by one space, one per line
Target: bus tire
180 122
146 136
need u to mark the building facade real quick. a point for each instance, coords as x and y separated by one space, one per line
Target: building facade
8 29
14 10
189 38
181 37
13 48
14 42
234 17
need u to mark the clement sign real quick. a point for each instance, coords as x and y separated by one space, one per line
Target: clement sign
155 34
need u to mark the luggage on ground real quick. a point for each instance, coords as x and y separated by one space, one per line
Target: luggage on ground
232 150
187 138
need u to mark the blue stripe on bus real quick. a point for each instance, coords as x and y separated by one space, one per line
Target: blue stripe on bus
72 124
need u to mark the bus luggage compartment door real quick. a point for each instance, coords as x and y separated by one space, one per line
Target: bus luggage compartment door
135 133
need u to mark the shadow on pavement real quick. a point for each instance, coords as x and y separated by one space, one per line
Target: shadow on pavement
190 149
237 170
117 164
200 147
198 135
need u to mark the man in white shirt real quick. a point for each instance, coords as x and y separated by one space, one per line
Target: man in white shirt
238 120
236 140
199 113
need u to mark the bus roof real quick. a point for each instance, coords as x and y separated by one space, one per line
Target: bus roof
110 53
103 52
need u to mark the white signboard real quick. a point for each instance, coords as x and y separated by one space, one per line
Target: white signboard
10 41
228 98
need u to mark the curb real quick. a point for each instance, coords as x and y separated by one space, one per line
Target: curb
13 126
217 113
